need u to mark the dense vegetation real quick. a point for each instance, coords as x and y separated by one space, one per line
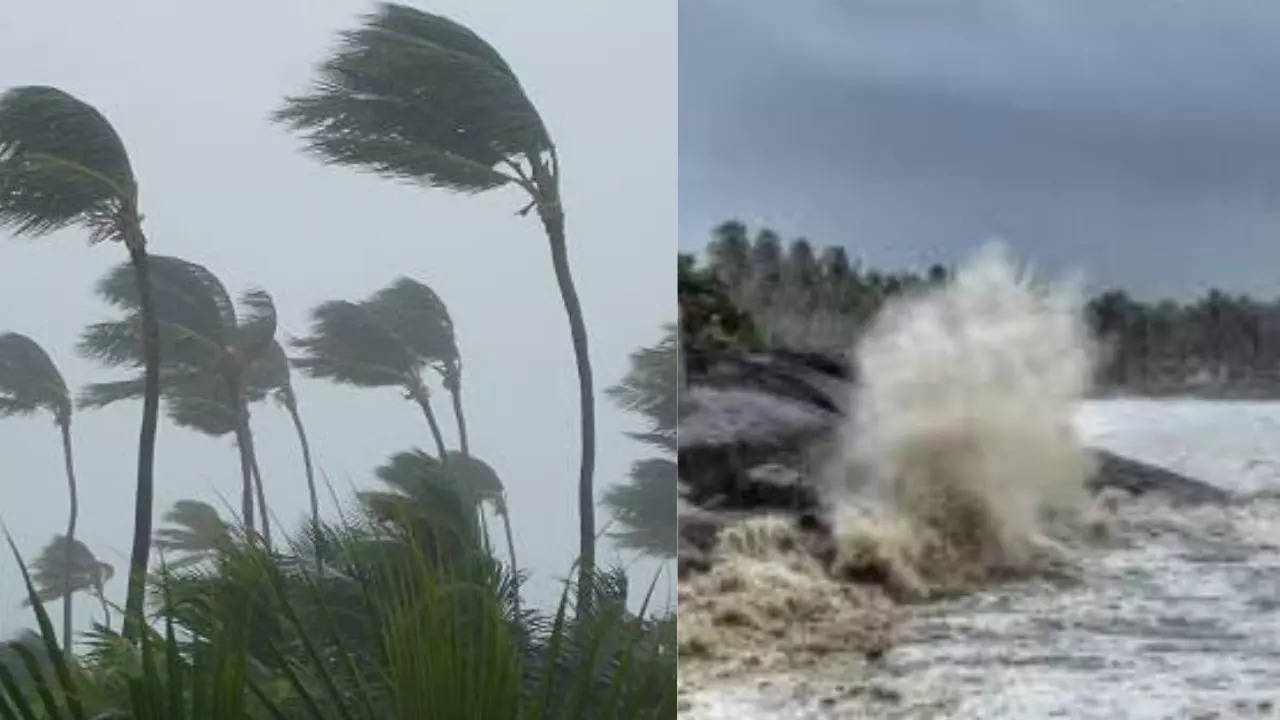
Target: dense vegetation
400 608
755 294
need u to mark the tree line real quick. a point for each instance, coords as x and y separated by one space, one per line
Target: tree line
399 608
757 292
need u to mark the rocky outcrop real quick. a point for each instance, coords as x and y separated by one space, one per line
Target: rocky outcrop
752 429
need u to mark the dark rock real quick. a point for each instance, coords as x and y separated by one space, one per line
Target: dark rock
1139 478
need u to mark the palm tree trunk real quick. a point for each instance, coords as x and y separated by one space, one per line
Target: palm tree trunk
456 392
292 407
262 497
106 609
141 551
421 396
65 425
484 529
505 511
553 220
244 443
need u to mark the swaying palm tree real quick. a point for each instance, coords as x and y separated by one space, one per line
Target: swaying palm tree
646 505
29 381
418 97
386 341
66 567
209 353
196 533
62 164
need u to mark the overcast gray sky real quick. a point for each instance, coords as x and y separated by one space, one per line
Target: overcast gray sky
189 87
1138 141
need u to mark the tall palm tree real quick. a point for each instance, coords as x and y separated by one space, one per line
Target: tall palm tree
29 382
386 340
646 504
418 97
209 352
66 567
62 164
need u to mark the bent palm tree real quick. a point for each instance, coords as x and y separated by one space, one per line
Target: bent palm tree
62 164
384 341
209 353
29 381
65 567
415 96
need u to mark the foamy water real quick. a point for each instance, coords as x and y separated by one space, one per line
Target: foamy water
964 464
1178 617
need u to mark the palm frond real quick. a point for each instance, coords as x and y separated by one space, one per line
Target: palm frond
194 311
61 163
348 346
417 96
645 505
256 323
418 317
651 388
195 531
29 380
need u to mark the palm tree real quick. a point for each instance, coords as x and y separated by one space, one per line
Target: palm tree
418 97
65 567
29 382
387 340
646 505
209 353
62 164
196 533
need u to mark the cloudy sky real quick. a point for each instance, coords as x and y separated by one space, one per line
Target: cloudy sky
189 87
1138 141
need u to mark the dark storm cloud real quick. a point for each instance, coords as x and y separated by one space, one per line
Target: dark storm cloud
1138 141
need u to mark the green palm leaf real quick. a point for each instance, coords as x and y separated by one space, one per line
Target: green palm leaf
420 97
61 163
29 381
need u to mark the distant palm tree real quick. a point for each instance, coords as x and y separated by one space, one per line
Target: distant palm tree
63 568
416 96
62 164
209 353
196 534
386 340
646 504
29 382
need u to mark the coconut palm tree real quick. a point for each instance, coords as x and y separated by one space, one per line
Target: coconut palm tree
30 382
387 340
209 352
62 164
65 567
646 504
415 96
